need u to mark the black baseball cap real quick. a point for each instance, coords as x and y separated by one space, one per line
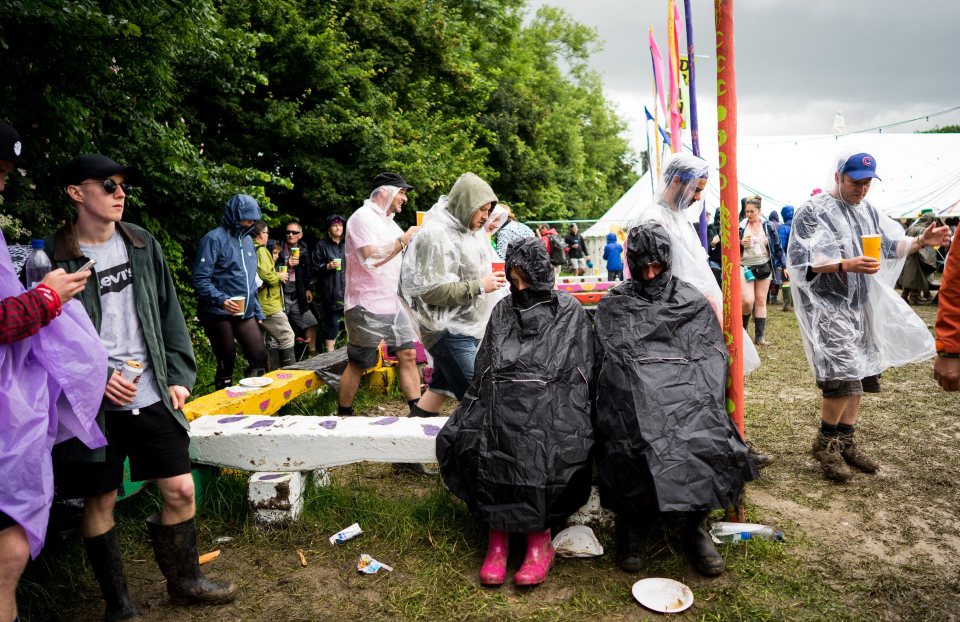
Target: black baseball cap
93 167
390 179
334 219
10 146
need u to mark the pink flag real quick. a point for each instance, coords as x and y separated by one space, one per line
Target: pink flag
676 119
658 73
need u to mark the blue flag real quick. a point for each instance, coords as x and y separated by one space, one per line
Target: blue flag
649 116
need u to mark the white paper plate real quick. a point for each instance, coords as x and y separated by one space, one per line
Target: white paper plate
256 382
663 595
577 541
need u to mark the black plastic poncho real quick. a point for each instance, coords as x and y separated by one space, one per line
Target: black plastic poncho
664 439
517 450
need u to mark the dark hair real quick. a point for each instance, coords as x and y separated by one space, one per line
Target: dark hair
260 226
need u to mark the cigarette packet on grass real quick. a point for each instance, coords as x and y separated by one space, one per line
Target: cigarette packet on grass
346 534
368 565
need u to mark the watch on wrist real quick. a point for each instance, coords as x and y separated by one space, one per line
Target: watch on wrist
840 267
949 355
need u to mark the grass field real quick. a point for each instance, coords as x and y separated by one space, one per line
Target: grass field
881 547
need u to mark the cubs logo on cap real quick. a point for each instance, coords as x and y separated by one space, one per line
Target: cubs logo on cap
10 146
860 166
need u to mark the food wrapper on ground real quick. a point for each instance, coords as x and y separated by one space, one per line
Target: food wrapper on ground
577 541
368 565
346 534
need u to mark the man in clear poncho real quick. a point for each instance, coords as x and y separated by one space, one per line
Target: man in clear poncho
665 446
853 323
446 280
373 253
683 179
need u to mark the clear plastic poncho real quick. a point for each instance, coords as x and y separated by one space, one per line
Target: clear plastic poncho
446 251
853 325
678 184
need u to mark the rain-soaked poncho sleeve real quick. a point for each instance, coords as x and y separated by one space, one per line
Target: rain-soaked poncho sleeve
853 325
441 276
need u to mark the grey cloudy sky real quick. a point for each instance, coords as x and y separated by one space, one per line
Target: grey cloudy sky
798 61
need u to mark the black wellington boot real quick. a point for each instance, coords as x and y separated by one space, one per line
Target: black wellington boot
255 372
175 547
287 357
629 543
222 382
104 554
698 546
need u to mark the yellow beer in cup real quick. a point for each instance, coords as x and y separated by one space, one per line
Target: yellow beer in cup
420 216
871 245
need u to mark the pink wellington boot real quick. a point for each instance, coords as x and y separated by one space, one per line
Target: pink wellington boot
494 569
536 564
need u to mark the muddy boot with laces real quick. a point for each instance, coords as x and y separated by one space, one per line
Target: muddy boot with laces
826 449
856 457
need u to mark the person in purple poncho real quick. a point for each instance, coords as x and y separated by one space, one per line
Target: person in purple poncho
49 352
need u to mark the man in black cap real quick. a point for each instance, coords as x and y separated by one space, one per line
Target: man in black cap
372 251
330 280
133 303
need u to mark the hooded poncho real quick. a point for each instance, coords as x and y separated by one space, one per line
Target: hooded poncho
663 438
517 450
853 325
442 269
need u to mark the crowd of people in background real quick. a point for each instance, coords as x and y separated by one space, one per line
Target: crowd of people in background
547 397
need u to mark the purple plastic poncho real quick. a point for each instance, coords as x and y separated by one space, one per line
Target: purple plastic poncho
51 386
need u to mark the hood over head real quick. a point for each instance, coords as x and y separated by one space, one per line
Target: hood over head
468 195
688 169
240 207
649 243
611 237
787 212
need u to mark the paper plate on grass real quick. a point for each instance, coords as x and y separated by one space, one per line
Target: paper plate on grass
256 382
663 595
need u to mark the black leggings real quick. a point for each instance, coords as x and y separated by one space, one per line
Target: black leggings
223 331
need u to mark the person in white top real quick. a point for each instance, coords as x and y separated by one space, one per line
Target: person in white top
372 311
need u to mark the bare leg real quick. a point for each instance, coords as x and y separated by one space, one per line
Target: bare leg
329 345
409 374
432 402
834 408
849 416
178 499
97 516
760 289
746 292
14 553
310 334
349 383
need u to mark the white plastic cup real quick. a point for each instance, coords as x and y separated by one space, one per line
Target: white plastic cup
132 370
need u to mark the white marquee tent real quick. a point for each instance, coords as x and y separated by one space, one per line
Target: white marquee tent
918 171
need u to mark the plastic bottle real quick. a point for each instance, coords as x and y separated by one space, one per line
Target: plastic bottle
735 532
37 265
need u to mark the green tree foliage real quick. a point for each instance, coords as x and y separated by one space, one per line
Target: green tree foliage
299 103
946 129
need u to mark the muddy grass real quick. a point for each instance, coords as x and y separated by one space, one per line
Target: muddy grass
881 547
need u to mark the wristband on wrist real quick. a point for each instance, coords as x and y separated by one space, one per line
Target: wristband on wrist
403 245
920 241
840 267
949 355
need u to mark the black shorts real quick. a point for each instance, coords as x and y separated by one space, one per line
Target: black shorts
6 521
366 358
848 388
157 445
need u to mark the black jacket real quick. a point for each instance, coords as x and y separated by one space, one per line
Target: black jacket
329 284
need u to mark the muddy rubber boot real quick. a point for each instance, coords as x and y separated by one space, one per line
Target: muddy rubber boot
698 546
222 382
537 562
856 457
826 449
494 569
104 554
287 357
760 328
746 322
629 544
175 547
760 460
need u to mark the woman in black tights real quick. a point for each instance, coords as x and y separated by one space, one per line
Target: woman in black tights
224 277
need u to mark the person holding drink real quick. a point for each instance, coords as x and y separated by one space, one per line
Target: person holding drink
761 254
330 279
844 259
224 277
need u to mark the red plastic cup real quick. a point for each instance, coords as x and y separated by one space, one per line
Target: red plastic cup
499 266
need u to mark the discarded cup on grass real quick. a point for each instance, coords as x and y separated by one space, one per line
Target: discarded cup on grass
368 565
577 541
736 532
346 534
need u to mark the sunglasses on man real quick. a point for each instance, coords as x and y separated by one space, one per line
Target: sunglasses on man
110 186
294 232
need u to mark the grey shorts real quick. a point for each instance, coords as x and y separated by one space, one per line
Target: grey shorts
578 263
300 319
848 388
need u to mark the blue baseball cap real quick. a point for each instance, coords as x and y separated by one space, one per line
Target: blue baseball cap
860 166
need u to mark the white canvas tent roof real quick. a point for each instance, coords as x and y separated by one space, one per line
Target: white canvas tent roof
918 171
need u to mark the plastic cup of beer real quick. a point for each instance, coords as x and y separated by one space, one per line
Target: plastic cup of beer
132 370
420 216
338 264
242 301
499 266
871 246
282 268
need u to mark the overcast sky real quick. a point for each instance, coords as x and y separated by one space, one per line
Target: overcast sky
798 61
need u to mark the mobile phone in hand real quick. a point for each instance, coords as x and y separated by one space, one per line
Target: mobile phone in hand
87 265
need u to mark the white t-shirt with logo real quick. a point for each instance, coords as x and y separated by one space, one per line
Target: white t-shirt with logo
120 329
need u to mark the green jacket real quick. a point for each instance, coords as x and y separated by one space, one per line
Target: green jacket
158 309
270 293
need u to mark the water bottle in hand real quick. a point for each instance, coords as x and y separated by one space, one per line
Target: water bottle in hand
37 265
736 532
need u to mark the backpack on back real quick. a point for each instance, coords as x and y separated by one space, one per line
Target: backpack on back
557 249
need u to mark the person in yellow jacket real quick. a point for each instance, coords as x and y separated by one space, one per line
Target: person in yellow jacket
270 295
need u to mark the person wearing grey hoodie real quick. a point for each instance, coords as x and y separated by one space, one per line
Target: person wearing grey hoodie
445 279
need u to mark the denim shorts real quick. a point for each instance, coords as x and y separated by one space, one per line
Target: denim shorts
453 358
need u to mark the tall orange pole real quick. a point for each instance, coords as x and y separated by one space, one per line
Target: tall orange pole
729 205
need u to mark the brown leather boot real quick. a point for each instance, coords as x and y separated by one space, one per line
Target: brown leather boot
856 457
826 449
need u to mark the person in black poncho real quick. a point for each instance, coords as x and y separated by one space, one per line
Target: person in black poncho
665 446
517 450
